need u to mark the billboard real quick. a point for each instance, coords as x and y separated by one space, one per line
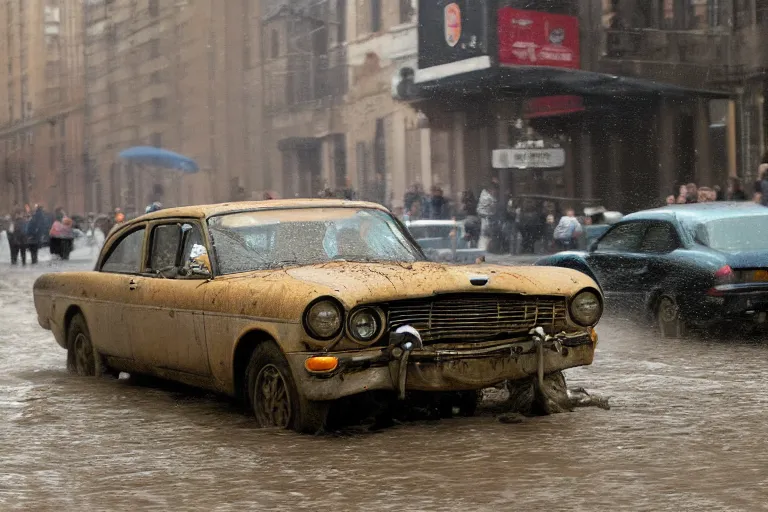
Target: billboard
453 38
533 38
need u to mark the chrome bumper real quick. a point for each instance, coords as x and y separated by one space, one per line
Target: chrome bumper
443 367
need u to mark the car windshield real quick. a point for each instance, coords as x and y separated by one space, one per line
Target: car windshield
433 231
257 240
736 234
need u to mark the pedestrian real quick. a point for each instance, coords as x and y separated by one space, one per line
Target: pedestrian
567 231
437 204
691 193
17 238
764 189
486 210
735 191
35 232
62 237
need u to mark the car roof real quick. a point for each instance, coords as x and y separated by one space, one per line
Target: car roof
701 212
209 210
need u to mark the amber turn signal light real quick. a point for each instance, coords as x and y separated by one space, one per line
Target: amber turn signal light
593 335
321 363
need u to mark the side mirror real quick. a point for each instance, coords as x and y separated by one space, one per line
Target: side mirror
592 246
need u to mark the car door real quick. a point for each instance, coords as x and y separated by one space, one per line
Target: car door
615 257
172 329
662 267
115 307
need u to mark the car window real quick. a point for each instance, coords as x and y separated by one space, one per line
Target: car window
194 243
623 238
125 258
165 245
660 238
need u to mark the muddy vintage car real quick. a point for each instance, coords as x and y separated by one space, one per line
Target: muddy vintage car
294 304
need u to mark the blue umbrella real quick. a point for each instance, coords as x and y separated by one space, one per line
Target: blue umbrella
157 157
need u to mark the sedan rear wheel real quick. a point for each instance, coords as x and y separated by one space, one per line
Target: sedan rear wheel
274 397
669 318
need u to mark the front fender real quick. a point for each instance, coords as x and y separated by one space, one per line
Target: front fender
571 260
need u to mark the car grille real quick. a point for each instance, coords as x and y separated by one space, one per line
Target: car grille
476 317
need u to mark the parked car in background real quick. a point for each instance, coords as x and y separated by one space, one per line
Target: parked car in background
700 265
444 240
294 304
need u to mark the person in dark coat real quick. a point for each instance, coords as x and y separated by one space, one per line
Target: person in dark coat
17 238
36 230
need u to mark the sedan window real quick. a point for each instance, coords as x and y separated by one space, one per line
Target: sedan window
165 245
125 257
623 238
660 238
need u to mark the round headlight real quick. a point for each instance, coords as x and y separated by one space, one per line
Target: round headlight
365 325
586 308
323 319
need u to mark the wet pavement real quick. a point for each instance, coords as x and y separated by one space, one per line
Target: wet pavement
686 431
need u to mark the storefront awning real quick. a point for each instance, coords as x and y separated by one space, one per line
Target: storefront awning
548 81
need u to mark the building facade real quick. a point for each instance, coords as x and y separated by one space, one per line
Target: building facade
42 93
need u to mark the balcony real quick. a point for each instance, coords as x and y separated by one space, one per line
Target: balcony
683 57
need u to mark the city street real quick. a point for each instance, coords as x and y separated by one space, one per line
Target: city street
686 431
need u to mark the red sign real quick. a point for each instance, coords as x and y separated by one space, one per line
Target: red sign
552 106
533 38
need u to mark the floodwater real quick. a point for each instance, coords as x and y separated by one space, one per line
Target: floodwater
687 431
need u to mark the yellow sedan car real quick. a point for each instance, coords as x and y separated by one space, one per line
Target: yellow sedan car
294 304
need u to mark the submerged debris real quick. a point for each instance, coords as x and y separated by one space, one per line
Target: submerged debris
529 398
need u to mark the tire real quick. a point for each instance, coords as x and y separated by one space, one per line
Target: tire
269 379
669 319
82 359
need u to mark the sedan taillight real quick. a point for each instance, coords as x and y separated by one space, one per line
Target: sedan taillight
723 276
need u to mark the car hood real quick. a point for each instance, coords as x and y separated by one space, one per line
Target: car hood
357 283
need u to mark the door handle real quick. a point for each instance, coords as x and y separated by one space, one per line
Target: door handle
132 285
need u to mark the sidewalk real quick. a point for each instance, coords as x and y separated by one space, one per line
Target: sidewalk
513 259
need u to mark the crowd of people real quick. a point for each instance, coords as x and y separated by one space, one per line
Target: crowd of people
29 229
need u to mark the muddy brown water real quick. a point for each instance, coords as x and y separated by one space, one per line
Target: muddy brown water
687 431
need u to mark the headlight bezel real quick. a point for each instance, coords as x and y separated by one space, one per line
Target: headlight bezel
381 319
308 327
572 301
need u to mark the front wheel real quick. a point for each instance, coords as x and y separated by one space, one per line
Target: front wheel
82 359
669 318
274 397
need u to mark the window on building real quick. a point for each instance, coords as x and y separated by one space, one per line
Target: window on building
155 78
406 11
375 15
158 108
156 139
112 93
341 16
154 8
63 156
761 7
52 134
274 45
154 48
112 34
52 163
63 127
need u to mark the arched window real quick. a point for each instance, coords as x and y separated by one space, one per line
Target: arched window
275 44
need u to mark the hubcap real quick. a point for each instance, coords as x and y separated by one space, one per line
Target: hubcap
667 310
272 400
83 355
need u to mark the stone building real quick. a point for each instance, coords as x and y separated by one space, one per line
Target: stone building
177 75
704 44
537 100
42 94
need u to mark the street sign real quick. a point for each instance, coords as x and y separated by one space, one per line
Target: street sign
528 158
